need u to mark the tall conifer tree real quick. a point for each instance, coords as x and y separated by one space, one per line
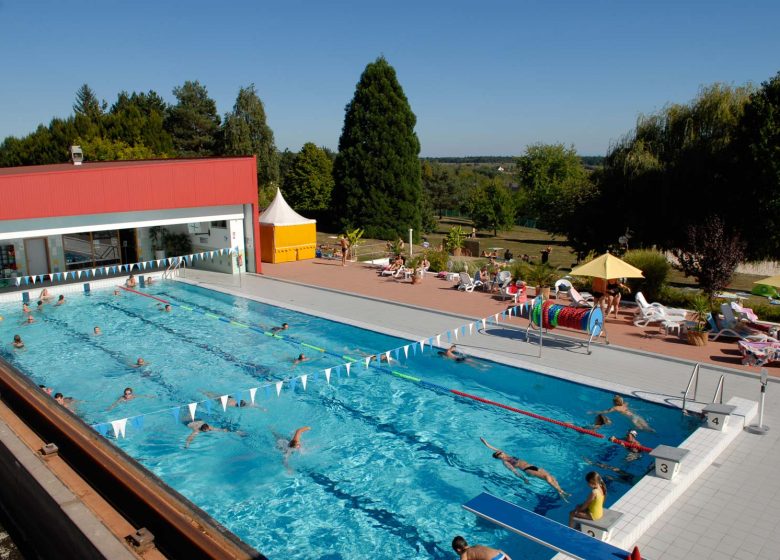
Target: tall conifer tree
193 122
245 132
377 169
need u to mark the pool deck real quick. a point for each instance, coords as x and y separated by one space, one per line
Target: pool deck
729 511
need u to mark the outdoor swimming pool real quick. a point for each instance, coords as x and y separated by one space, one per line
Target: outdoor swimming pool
388 461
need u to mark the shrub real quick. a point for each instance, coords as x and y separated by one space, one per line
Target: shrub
672 297
438 260
654 266
459 266
767 312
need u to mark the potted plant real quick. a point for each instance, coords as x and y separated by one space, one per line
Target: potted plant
355 238
454 240
178 244
417 272
158 235
697 333
541 275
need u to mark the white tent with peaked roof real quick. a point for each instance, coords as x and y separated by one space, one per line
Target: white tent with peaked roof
285 235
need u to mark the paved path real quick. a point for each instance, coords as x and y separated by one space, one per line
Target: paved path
729 513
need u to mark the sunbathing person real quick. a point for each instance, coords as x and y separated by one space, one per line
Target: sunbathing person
515 463
621 406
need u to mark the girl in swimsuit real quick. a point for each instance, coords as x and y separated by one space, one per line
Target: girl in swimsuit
593 507
515 463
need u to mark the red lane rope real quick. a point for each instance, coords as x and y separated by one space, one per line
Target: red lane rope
143 294
551 420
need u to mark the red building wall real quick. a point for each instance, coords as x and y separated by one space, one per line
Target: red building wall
49 191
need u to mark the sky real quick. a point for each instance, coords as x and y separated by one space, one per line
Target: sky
483 78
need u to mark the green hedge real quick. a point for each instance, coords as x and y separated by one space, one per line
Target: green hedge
655 268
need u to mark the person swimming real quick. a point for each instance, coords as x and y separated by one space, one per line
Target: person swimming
17 343
198 427
96 331
452 353
621 406
515 463
299 359
283 327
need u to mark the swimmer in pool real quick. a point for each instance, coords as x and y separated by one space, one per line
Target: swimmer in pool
139 363
66 402
477 551
128 395
131 283
165 308
117 292
299 359
599 422
197 427
291 445
28 320
96 331
631 443
283 327
621 406
45 389
39 306
231 401
25 308
453 354
45 295
18 341
60 300
515 463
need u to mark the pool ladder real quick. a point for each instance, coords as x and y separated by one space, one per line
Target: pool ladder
694 382
174 267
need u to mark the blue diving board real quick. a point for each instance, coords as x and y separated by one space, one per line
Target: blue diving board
544 531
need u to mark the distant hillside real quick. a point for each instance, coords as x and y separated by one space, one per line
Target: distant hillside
587 161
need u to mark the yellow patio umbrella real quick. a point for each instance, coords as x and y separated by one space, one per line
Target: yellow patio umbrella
607 266
771 281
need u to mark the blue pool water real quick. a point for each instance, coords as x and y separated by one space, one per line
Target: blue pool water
388 462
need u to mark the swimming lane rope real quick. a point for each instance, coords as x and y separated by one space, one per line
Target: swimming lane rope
482 400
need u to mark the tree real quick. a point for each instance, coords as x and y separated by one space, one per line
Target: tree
193 122
552 180
309 182
137 119
757 174
246 132
439 187
491 207
103 149
681 159
87 104
377 169
711 254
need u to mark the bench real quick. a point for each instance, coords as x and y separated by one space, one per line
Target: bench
542 530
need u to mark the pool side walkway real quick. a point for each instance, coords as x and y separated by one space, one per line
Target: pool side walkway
728 513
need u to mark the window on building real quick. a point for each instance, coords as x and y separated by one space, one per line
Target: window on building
88 250
219 224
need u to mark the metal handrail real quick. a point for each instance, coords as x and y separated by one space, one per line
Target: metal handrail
173 267
694 380
718 398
